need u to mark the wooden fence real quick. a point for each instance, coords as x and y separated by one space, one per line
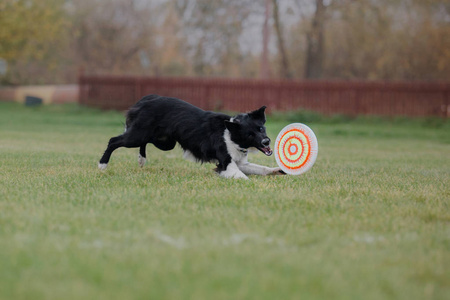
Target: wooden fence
328 97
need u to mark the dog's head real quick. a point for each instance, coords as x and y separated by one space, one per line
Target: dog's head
247 131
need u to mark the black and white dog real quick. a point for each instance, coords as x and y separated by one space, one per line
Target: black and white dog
204 136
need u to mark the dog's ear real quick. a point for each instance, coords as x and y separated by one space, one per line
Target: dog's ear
258 114
232 126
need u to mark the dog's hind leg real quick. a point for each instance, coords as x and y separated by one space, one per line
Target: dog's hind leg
114 143
142 156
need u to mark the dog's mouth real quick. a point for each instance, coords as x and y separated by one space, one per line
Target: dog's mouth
266 150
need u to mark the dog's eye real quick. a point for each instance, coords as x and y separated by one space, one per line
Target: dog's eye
261 129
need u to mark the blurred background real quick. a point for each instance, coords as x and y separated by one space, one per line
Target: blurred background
55 41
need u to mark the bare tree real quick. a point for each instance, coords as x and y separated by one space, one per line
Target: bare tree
213 29
284 70
315 43
264 71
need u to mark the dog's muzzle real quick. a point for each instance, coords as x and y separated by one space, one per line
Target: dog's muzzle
265 147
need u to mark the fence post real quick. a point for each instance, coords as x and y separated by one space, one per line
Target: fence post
81 94
137 89
446 105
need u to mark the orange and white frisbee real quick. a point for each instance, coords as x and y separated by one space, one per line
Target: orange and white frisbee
296 149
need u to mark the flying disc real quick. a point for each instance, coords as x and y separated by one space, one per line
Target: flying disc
296 149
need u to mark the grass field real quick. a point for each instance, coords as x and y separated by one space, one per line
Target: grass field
371 220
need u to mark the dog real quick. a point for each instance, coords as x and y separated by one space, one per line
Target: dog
204 136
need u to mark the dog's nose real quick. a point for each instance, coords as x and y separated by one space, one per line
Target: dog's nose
265 142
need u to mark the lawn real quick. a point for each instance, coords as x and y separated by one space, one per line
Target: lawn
371 220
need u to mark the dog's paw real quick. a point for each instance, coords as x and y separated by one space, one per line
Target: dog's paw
102 167
277 171
141 161
233 171
236 175
240 176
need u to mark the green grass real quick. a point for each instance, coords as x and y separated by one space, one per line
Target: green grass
371 220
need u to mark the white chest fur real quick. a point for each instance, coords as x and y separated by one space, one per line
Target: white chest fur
237 154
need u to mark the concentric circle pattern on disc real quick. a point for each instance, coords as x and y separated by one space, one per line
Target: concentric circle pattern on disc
296 149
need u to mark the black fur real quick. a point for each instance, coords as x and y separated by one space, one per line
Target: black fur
165 121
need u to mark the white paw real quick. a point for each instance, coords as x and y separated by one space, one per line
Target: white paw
237 175
233 171
141 161
102 167
240 175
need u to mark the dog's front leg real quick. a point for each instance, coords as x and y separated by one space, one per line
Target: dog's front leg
254 169
233 171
